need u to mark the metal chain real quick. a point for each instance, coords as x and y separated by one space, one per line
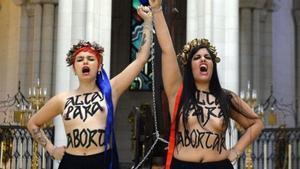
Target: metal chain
156 133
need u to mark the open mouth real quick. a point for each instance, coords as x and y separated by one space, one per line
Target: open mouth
85 70
203 69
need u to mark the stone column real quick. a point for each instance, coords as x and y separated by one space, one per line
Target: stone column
256 55
208 16
265 54
79 20
37 34
229 65
23 59
216 33
195 20
62 82
261 59
28 43
283 52
231 45
46 63
102 11
297 20
255 41
91 14
10 49
217 21
78 32
245 47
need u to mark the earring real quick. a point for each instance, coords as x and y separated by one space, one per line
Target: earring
99 73
101 67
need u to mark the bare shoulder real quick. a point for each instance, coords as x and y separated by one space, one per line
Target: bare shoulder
239 107
232 96
229 93
59 100
61 97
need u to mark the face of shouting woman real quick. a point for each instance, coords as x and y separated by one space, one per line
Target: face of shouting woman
86 66
202 66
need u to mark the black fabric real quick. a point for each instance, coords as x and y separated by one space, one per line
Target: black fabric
178 164
95 161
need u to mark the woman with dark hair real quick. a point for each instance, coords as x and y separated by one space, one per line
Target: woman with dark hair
87 111
202 109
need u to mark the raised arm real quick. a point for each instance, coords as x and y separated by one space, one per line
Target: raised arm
52 108
170 69
122 81
249 120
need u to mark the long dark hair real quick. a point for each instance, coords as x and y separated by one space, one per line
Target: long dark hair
189 89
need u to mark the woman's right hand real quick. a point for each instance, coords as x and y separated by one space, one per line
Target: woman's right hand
155 4
57 153
145 13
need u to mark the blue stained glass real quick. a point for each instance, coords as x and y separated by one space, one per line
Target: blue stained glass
144 80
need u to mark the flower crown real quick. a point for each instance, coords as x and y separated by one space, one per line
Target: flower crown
95 46
188 47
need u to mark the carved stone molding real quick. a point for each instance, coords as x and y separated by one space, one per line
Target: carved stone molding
251 3
259 4
30 10
19 2
263 15
44 1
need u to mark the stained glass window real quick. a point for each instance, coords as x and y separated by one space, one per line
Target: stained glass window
144 80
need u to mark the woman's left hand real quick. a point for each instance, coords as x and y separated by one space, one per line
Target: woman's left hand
233 155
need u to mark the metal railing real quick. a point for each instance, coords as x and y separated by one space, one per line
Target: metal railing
16 148
276 148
